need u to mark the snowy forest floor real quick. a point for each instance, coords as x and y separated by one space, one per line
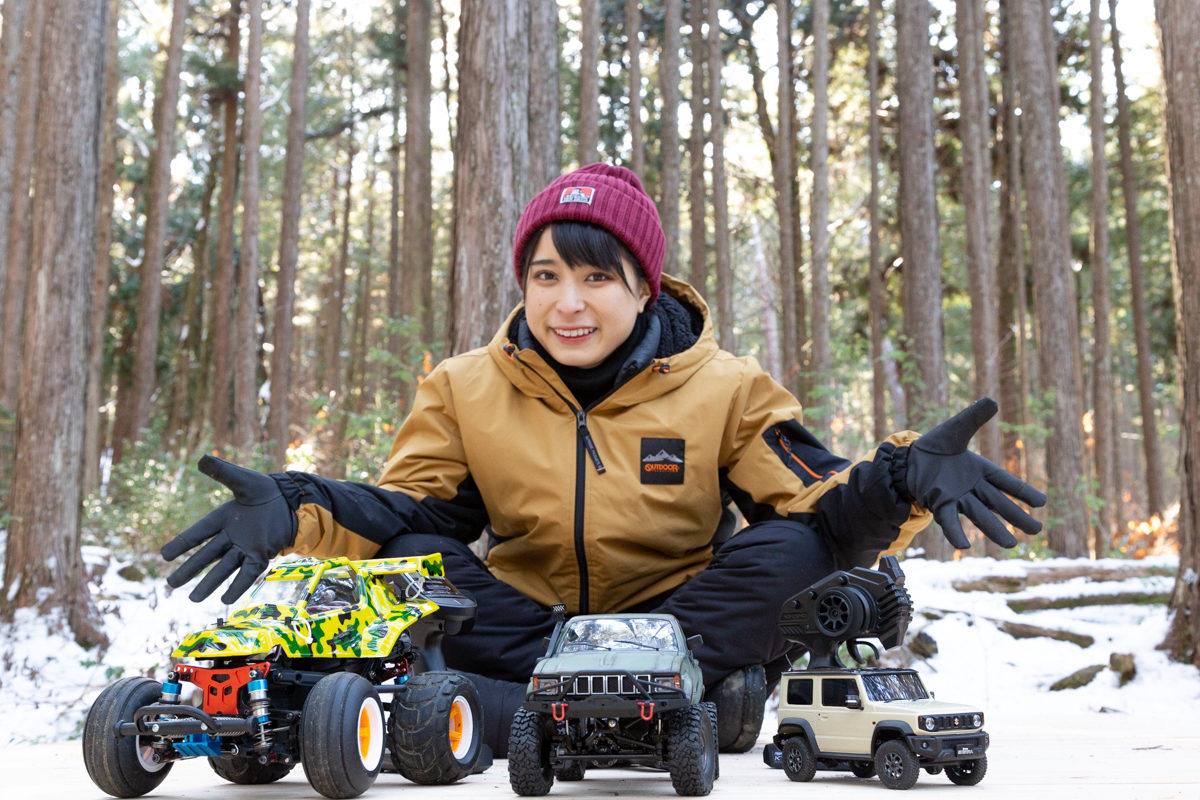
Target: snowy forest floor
47 682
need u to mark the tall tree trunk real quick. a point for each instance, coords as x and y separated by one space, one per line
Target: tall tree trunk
223 282
417 283
698 276
19 223
766 293
93 432
1133 243
247 430
356 377
516 45
819 220
925 375
785 170
1179 37
44 535
337 286
589 82
874 268
720 194
145 343
1102 410
974 129
1044 177
668 78
395 291
633 29
486 190
545 146
1011 265
12 41
289 243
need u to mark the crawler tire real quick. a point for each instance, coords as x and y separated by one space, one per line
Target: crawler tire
743 695
247 771
571 771
529 771
692 751
863 769
712 714
799 762
120 766
897 766
436 728
967 773
342 735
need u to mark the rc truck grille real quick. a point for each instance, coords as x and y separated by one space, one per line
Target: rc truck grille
606 684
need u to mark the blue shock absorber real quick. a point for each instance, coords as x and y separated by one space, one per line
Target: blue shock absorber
258 709
171 689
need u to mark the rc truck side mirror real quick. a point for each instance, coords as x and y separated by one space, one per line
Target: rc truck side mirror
694 642
853 701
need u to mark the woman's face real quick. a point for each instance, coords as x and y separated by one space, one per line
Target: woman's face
580 315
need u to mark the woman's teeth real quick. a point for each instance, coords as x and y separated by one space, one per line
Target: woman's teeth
574 333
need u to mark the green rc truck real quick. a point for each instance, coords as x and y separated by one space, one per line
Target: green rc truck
295 675
615 688
867 721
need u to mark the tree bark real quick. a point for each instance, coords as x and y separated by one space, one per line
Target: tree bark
289 243
145 342
395 302
417 266
1133 241
247 428
874 268
699 248
720 193
819 220
589 82
633 29
545 116
93 432
785 170
668 77
19 222
1102 410
925 374
356 376
45 503
337 284
12 42
223 281
1044 178
1179 49
974 130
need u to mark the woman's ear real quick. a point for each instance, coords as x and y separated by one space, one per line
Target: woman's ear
643 294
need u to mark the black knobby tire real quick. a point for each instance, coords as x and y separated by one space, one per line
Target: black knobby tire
425 717
967 773
863 769
712 715
692 751
935 770
342 735
897 766
799 761
113 763
248 771
571 771
739 729
529 771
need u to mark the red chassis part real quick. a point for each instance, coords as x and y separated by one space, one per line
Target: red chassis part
220 686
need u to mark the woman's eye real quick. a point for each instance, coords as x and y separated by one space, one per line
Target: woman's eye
598 276
544 275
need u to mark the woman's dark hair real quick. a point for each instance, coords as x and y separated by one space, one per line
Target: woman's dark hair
583 244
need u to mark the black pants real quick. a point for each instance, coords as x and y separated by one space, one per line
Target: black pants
734 603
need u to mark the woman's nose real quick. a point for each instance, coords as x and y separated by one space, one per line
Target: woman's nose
569 299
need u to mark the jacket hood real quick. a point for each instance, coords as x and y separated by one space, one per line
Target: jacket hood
664 360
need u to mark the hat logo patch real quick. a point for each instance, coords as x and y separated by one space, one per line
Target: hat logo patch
577 194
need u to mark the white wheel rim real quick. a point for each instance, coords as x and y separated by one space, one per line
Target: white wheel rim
462 718
145 754
369 727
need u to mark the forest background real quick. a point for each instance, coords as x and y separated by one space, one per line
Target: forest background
251 227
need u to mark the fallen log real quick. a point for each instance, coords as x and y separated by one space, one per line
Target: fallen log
1019 630
1077 679
1010 584
1120 599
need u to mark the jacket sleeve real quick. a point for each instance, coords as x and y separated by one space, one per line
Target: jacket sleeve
774 468
425 488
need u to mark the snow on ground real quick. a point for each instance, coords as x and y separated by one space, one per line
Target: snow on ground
47 682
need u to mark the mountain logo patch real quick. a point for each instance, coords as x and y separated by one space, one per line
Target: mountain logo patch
577 194
662 461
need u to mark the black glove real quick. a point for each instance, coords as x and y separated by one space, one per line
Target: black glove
944 477
248 531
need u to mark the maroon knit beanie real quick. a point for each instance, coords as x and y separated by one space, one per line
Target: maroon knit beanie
607 196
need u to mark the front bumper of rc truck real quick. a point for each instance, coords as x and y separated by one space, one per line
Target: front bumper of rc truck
934 750
647 699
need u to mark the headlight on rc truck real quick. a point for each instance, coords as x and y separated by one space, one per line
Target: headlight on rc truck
548 685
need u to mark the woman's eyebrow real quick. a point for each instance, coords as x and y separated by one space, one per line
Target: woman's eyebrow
541 261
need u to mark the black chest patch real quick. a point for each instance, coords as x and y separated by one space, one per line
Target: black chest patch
662 461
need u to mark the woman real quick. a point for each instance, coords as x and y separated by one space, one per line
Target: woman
598 440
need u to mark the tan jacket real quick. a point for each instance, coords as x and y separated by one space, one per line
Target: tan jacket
491 431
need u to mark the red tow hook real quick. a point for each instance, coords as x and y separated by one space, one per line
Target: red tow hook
558 711
645 710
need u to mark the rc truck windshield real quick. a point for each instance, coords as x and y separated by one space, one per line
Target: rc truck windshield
894 686
277 593
619 634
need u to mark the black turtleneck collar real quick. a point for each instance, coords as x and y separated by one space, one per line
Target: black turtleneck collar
590 384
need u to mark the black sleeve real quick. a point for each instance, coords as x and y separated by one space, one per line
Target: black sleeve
382 514
862 517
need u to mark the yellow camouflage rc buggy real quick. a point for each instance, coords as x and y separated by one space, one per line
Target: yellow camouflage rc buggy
295 675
